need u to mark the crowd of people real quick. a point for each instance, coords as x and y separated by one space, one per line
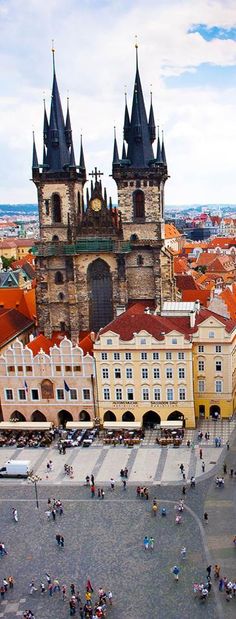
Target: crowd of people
90 604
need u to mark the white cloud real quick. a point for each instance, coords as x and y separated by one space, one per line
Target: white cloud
95 59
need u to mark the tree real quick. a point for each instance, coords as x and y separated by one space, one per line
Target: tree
6 262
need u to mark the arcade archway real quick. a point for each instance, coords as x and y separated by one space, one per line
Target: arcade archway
63 417
109 416
17 416
38 416
84 416
151 419
128 416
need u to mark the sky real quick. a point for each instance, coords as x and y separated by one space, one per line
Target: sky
187 58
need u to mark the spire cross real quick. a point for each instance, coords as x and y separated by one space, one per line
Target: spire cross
96 174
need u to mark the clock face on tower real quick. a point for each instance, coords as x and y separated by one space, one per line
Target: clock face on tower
96 204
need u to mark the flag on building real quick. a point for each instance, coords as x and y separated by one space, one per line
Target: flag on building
26 387
67 388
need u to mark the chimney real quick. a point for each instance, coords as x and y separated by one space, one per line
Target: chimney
192 319
120 309
93 336
31 337
197 306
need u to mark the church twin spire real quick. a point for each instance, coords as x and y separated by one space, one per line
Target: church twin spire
58 151
139 132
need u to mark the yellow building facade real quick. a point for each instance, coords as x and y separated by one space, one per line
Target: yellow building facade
180 374
214 354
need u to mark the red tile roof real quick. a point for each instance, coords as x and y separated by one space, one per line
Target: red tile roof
203 296
171 232
186 282
180 265
22 300
12 324
129 323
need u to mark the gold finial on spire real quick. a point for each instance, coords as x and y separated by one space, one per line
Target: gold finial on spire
136 50
53 55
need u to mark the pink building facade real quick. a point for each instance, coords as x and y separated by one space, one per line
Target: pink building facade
57 387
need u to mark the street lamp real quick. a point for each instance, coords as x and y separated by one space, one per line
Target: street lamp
34 480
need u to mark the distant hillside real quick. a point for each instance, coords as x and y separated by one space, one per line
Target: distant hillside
20 209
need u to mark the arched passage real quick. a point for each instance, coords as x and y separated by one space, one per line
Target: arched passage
109 416
63 417
38 416
215 411
17 416
128 416
151 419
100 294
84 416
175 416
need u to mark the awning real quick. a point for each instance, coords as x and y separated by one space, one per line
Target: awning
122 425
80 425
171 424
25 425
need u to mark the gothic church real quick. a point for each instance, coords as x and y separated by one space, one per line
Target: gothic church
94 259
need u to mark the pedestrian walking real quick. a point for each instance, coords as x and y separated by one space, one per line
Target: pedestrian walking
205 517
32 587
50 589
146 542
200 453
110 596
42 587
183 552
92 491
203 466
56 586
175 570
181 468
89 585
208 569
15 514
184 490
231 472
92 480
62 542
48 578
99 493
225 469
63 589
54 514
227 445
5 584
151 543
112 482
102 493
124 484
58 539
216 571
10 582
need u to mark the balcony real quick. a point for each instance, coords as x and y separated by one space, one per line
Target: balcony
84 246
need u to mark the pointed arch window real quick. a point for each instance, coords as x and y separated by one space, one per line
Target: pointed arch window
139 204
59 279
56 208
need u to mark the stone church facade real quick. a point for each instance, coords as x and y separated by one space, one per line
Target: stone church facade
93 259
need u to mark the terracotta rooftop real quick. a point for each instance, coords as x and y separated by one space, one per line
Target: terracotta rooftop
171 232
186 282
12 324
133 322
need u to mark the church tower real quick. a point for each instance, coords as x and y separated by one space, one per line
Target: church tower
80 261
140 176
59 183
